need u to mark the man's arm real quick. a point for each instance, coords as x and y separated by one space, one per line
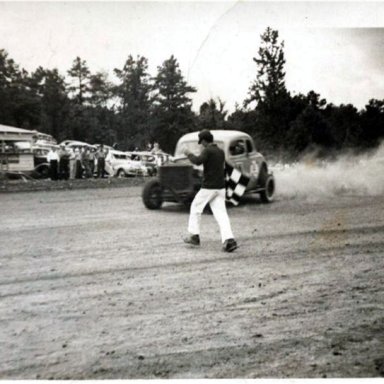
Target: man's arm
196 159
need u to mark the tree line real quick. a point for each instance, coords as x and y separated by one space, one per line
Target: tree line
139 108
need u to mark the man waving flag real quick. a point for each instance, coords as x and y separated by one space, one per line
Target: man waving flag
212 192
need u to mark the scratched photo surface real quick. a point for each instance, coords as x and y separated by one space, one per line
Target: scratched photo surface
94 285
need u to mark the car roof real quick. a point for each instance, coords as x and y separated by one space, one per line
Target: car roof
74 143
218 135
146 153
117 152
105 146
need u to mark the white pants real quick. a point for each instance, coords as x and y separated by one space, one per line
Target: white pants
216 200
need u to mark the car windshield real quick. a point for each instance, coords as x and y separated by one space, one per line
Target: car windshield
193 147
148 158
120 156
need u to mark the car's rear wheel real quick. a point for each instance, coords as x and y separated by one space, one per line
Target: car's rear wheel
152 195
268 193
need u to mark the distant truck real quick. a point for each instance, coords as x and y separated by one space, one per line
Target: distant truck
179 180
16 156
42 144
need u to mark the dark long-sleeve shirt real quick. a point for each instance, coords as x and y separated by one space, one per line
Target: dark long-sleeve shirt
212 158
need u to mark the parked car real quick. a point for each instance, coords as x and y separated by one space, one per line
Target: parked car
179 180
148 159
42 144
120 164
71 144
40 162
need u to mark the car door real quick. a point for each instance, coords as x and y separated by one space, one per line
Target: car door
238 155
254 163
110 164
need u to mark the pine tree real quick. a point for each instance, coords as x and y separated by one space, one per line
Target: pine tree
80 75
270 79
212 114
372 123
19 105
269 94
100 90
134 96
173 115
51 89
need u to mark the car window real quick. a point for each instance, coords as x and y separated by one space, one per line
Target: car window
237 147
121 156
250 147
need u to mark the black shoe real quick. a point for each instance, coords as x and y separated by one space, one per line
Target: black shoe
229 245
192 239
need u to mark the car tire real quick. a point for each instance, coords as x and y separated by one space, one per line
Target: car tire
152 195
41 171
121 173
267 194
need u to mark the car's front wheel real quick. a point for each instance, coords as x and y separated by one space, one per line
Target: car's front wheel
152 195
41 171
121 173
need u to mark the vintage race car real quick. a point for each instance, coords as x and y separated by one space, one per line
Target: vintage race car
179 181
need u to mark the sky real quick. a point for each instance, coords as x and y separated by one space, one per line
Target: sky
333 48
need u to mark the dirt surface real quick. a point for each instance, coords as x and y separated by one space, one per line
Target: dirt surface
44 185
95 286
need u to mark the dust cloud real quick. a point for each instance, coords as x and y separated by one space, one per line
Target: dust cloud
316 180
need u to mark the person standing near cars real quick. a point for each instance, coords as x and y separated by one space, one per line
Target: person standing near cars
63 163
91 159
100 154
78 164
86 160
53 160
212 191
72 163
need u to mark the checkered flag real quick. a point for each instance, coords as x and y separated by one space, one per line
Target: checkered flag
235 184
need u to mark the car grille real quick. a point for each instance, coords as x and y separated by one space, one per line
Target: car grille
176 177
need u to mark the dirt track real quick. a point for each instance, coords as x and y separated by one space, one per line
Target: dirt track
93 285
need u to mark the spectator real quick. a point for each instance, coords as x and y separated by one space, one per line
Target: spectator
53 160
72 163
156 148
86 160
63 163
92 160
101 155
78 165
